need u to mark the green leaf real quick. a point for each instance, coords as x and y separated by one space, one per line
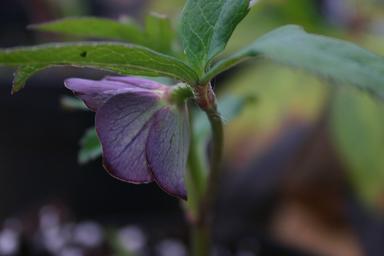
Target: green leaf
327 57
91 27
22 74
207 25
157 35
90 147
357 125
121 58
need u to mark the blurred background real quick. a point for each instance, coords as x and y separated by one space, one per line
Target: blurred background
304 171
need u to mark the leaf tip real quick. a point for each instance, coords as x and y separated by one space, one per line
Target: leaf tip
16 88
17 84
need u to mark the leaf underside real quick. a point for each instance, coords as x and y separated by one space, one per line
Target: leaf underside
120 58
335 59
22 74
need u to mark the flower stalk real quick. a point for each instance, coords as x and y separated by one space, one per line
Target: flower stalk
202 232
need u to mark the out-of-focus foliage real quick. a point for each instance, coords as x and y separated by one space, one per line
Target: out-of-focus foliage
68 7
170 8
358 129
90 147
357 122
72 103
282 96
357 126
157 34
290 45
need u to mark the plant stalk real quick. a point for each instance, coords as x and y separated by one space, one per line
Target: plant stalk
200 240
215 165
202 228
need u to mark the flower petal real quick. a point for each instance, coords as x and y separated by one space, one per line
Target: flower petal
123 124
167 150
96 93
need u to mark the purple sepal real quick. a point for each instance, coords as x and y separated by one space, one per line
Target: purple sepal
96 93
167 150
137 82
122 125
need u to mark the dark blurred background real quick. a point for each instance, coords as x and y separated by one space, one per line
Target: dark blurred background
304 164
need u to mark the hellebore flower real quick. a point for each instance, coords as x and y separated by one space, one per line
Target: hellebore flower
144 134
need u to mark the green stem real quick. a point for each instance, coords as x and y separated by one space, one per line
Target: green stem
201 234
196 179
196 175
196 164
200 240
206 208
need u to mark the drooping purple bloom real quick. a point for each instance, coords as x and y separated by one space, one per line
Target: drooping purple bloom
144 136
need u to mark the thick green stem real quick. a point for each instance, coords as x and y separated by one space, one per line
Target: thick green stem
215 164
202 225
196 179
196 176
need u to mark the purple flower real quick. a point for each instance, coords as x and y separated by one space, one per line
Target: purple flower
144 136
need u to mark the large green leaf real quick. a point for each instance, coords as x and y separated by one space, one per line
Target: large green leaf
207 25
157 34
330 58
121 58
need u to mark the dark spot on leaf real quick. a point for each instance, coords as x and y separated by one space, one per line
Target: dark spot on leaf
83 54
